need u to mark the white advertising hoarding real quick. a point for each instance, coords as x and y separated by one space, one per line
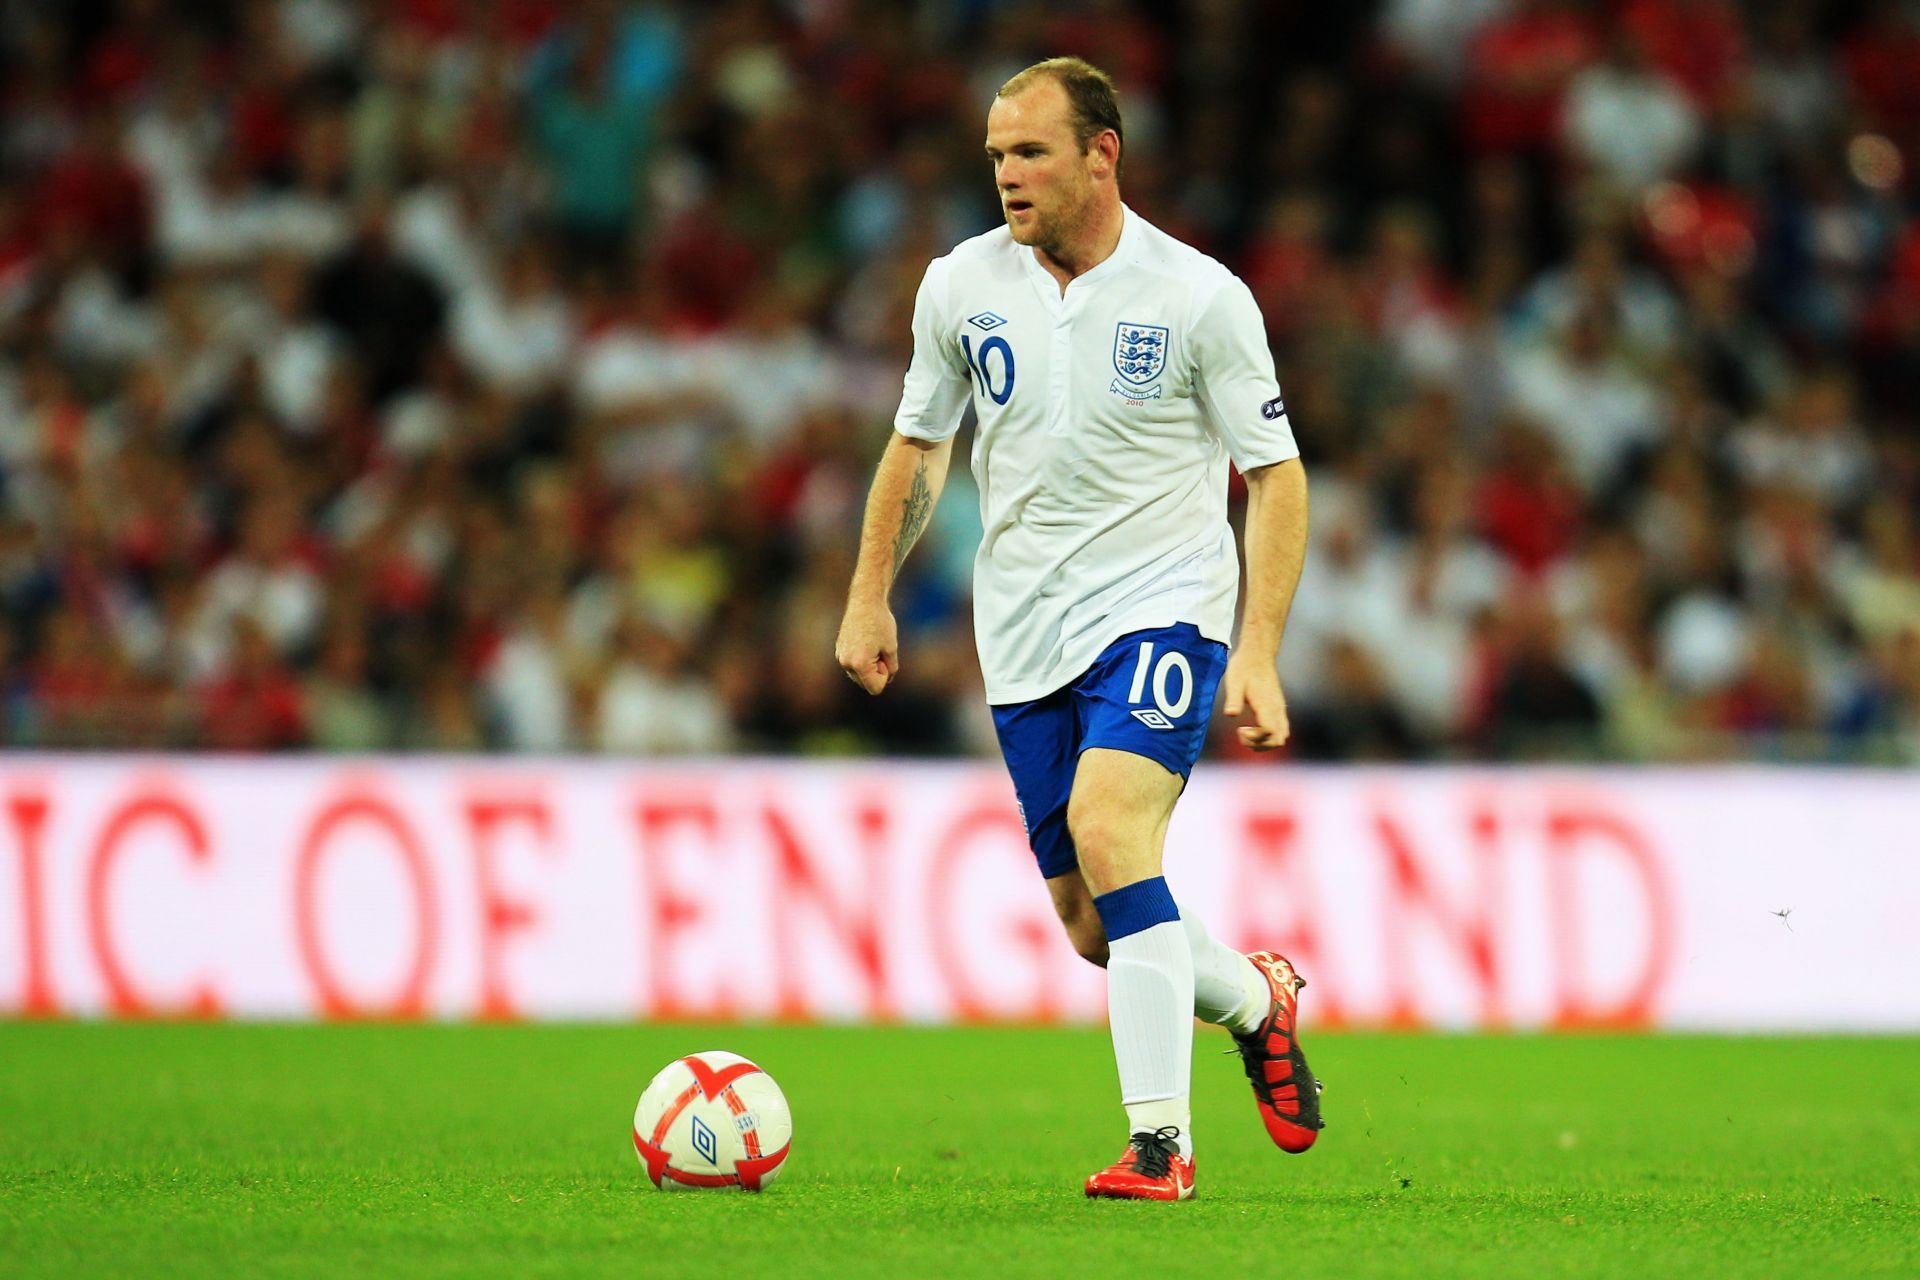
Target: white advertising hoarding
141 887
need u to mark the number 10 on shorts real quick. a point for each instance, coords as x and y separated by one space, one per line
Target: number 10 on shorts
1169 707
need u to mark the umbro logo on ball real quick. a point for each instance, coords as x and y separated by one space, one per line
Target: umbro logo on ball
705 1142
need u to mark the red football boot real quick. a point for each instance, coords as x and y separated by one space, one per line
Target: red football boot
1151 1168
1283 1088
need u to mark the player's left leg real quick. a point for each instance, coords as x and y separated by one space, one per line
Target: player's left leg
1074 905
1229 990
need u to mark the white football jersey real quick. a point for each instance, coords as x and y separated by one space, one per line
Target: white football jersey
1106 418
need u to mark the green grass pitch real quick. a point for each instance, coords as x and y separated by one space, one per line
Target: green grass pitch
199 1150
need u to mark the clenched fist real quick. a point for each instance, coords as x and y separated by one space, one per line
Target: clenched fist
868 649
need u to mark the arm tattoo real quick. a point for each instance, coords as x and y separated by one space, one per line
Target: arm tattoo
914 511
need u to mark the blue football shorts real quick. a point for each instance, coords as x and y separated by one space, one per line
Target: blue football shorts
1150 692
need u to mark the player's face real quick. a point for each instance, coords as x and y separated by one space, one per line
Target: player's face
1044 177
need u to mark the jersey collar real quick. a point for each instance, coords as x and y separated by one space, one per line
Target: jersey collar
1122 254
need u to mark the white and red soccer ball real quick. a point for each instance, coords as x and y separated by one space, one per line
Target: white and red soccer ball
712 1120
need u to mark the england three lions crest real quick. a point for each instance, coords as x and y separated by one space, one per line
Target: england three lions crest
1139 352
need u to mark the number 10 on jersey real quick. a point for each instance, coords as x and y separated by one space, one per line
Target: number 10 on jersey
980 368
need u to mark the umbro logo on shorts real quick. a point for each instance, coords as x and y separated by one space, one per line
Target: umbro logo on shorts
1153 719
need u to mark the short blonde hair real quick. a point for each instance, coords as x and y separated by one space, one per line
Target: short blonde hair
1094 102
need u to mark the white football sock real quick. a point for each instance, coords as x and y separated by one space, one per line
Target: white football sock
1227 989
1150 1010
1151 1117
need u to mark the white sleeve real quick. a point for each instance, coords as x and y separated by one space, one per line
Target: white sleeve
937 384
1233 372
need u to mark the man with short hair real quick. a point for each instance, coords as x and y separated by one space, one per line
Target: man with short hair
1113 370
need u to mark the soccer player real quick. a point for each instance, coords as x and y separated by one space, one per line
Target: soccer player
1113 371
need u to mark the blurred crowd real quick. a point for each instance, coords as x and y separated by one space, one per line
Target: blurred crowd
466 375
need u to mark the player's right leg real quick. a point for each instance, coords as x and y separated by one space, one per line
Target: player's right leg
1147 703
1118 815
1041 743
1256 998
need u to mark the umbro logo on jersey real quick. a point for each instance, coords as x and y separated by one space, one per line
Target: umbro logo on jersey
1152 719
1273 409
986 321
